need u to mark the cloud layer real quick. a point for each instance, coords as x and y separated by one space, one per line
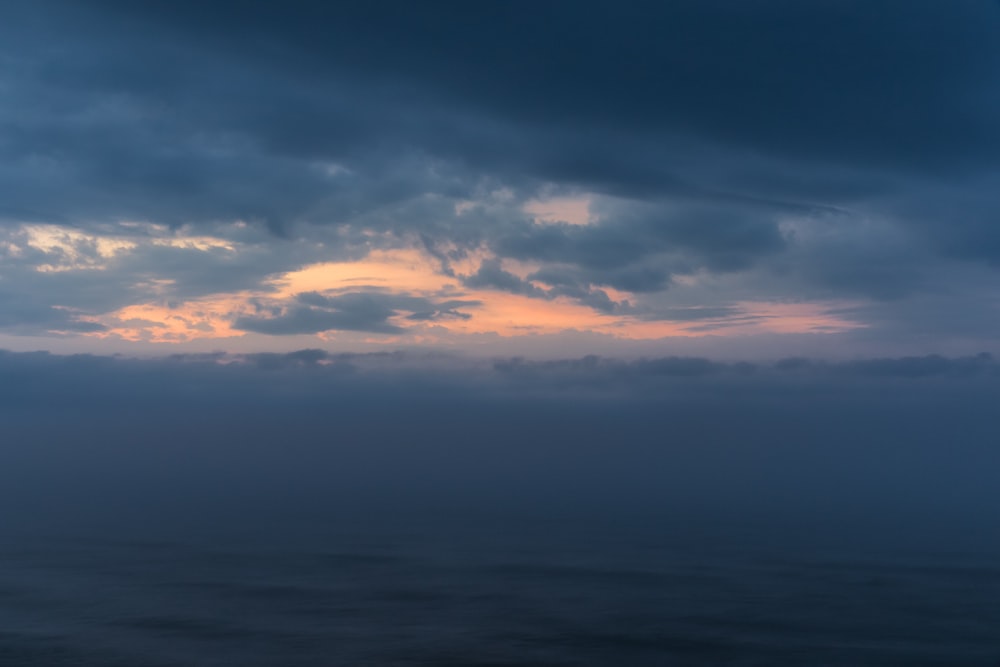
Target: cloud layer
634 163
880 449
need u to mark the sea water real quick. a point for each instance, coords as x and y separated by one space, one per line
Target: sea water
480 589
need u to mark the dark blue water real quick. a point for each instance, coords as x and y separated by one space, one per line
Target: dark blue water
513 592
449 534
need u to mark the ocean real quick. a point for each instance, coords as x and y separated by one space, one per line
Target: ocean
480 590
318 534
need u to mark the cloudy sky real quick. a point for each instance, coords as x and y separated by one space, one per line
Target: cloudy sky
699 265
720 275
733 179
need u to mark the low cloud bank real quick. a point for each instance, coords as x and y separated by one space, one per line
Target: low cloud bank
892 450
44 380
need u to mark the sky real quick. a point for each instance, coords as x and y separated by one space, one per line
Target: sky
701 258
751 180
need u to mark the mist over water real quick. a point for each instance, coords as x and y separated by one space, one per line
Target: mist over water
377 522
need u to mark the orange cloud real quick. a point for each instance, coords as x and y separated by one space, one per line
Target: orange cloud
571 210
415 272
398 270
160 323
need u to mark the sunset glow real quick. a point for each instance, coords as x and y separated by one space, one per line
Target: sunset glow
415 273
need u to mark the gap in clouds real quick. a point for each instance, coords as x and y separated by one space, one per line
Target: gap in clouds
392 292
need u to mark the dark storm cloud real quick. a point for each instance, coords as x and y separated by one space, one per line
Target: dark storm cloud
20 315
491 275
853 80
305 320
710 124
716 238
353 311
46 287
